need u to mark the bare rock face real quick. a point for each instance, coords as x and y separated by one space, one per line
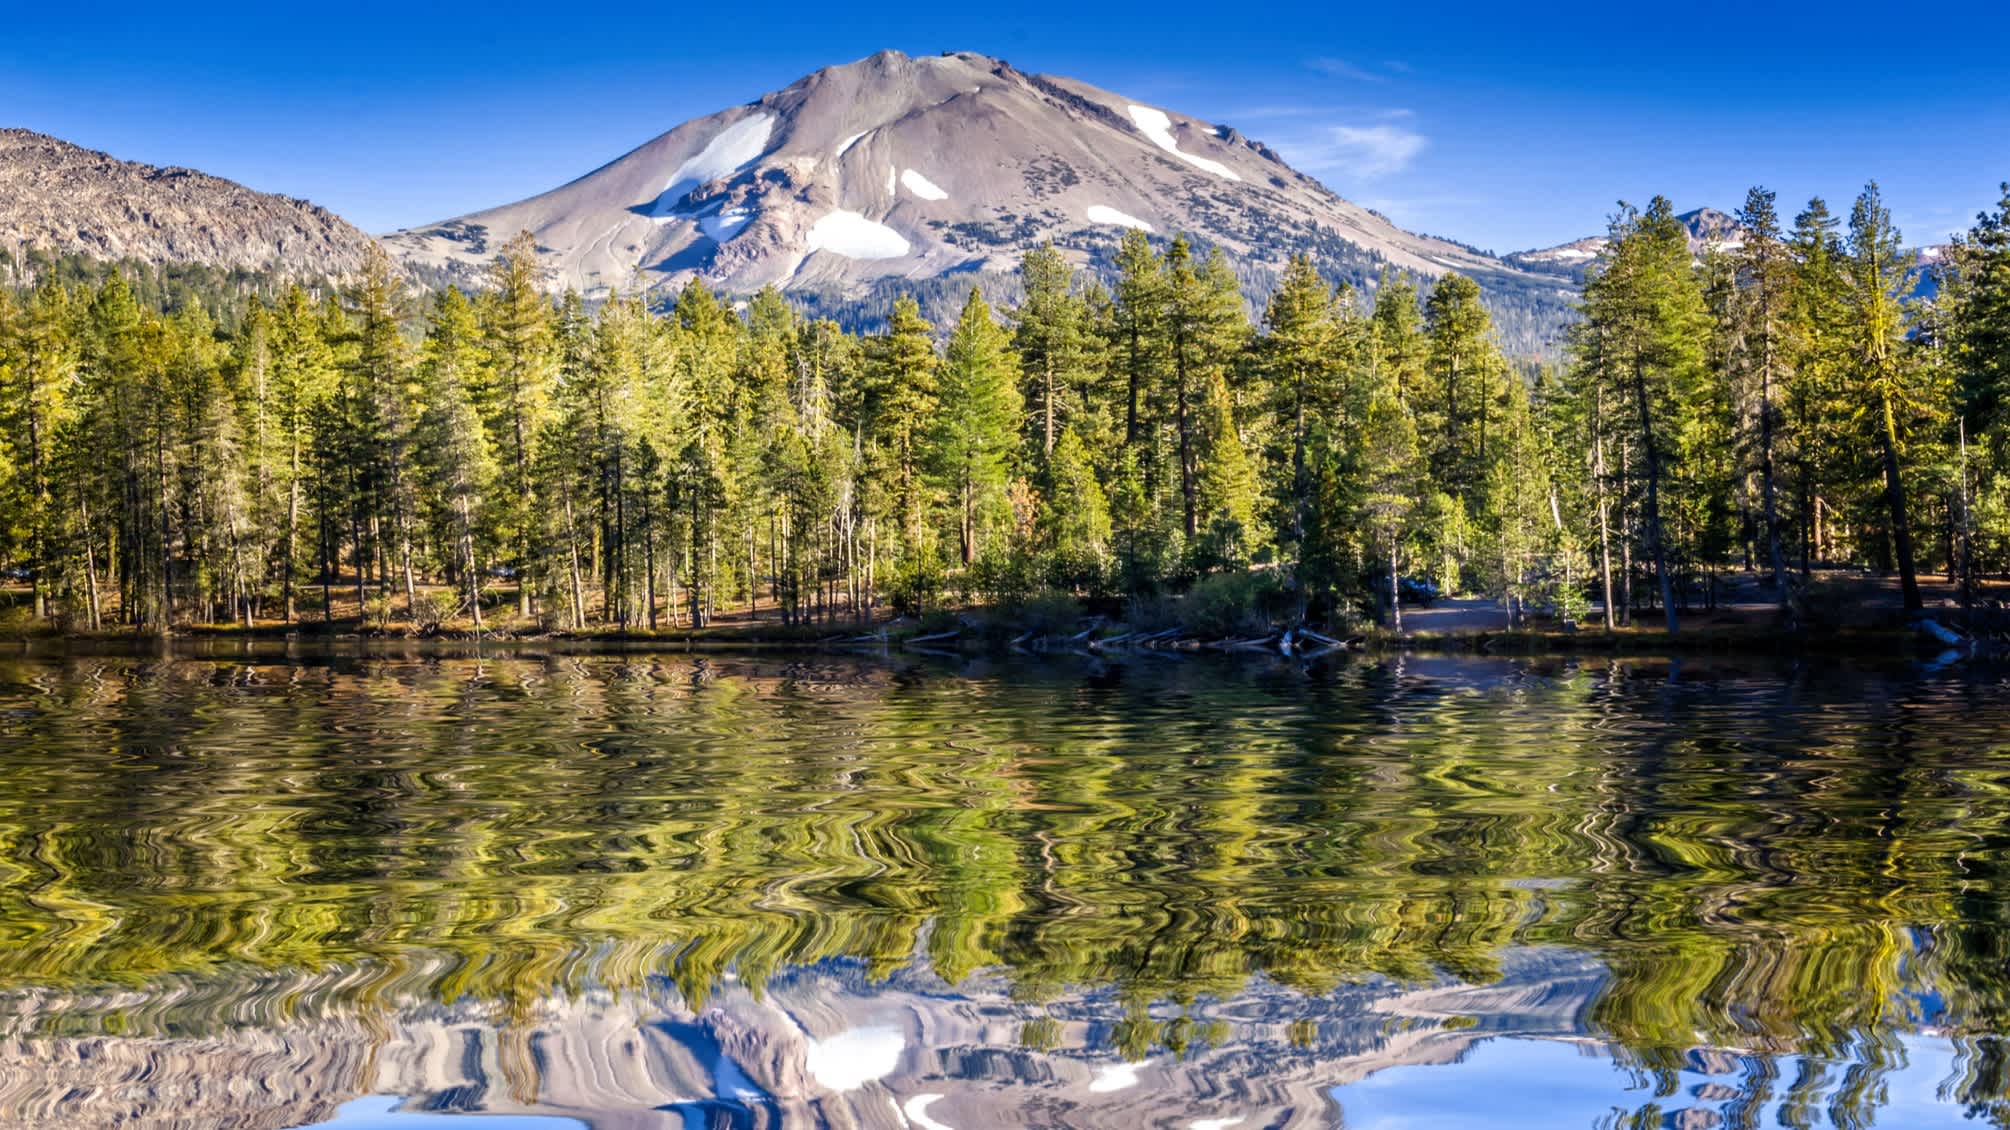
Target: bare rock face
822 1046
1709 230
909 168
64 199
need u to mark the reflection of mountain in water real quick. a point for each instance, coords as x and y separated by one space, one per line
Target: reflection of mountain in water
1806 866
818 1047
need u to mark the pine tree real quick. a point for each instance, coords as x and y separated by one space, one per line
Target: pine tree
1875 274
516 323
1977 283
1463 379
1766 277
302 381
380 422
1057 351
1306 363
1138 315
1228 488
1398 347
1647 318
1074 524
1205 329
1817 343
452 443
1392 465
1520 524
38 363
976 426
898 399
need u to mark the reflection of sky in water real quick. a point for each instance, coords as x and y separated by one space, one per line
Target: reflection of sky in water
379 1112
1513 1084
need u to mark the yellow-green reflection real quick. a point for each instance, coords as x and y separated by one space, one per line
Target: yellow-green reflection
1780 861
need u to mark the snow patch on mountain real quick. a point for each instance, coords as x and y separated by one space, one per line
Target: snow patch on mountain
1104 214
851 1059
1114 1077
735 147
921 186
855 237
845 145
916 1112
1157 126
723 226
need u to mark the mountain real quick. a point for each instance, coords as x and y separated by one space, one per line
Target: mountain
64 199
820 1046
898 170
1708 229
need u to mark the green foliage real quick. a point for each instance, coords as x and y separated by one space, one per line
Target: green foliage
1234 604
176 454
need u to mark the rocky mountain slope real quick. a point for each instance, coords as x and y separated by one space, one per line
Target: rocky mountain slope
64 199
824 1046
1708 229
898 169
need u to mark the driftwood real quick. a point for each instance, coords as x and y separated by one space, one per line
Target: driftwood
1085 633
936 638
1327 641
1113 641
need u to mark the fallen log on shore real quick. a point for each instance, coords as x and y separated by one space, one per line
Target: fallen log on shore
936 638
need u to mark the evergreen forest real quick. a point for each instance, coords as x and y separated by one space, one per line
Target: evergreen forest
205 449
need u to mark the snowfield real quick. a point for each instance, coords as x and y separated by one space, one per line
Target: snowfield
723 226
845 145
1158 127
1104 214
851 1059
916 1112
1114 1077
855 237
921 186
736 147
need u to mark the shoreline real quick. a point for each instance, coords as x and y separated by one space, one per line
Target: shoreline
980 640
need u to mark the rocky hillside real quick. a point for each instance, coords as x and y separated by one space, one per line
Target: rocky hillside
1708 229
897 170
63 199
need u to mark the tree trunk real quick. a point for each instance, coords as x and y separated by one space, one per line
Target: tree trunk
1604 518
1395 592
1768 498
1656 546
1894 498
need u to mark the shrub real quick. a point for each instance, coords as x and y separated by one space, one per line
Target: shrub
436 607
1231 604
1044 614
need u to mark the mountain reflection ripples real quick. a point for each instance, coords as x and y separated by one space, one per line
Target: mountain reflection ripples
1799 868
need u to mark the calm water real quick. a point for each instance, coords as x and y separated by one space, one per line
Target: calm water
662 891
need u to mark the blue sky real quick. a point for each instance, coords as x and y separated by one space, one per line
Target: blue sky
1503 125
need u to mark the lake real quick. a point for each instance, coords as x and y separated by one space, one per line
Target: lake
393 888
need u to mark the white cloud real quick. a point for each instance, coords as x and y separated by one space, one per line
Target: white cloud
1358 151
1341 68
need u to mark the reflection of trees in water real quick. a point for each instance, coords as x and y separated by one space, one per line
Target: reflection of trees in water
1799 864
